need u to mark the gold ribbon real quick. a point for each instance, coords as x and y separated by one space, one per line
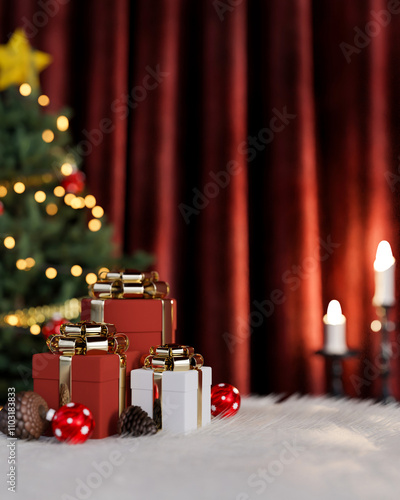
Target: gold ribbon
79 339
129 285
178 358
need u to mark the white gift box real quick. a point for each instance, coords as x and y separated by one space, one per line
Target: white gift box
179 395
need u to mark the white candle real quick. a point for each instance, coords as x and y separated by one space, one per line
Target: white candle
384 266
334 329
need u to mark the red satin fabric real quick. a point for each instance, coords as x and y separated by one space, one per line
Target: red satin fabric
172 95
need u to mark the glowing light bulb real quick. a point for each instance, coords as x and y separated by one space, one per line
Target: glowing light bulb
9 242
19 187
25 89
103 270
40 196
75 203
43 100
35 329
94 225
51 273
81 202
21 264
48 135
97 212
90 201
76 270
12 319
59 191
66 169
62 123
91 278
384 256
376 325
334 314
3 191
68 198
30 262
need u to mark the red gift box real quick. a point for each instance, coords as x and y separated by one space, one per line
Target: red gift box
95 384
145 322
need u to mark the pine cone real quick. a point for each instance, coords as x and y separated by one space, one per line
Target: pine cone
157 413
30 416
136 422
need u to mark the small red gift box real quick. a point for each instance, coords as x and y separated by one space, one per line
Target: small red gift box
136 304
95 384
145 322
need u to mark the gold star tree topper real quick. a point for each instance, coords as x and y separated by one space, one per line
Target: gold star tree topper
19 63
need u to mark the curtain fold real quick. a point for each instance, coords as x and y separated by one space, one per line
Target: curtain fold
224 222
105 137
155 213
381 221
251 153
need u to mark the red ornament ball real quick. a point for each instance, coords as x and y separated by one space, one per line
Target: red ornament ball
73 423
225 400
1 208
74 183
52 327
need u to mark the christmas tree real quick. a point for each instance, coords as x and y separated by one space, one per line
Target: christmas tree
54 237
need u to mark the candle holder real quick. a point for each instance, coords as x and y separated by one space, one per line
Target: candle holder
385 353
335 362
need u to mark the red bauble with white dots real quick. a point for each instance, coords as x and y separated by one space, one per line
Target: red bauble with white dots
52 327
225 400
73 423
74 183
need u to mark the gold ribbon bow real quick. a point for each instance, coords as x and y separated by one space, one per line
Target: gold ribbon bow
129 285
173 357
178 358
79 339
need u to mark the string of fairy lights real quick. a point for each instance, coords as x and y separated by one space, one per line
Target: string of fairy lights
32 317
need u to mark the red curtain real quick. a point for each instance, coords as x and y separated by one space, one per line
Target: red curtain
252 147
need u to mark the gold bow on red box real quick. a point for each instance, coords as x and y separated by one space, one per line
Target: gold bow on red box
129 285
79 339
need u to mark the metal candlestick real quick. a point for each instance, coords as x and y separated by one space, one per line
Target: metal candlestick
336 369
385 354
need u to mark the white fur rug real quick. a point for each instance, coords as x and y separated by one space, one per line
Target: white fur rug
304 448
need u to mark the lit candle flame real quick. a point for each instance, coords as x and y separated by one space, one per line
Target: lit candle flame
384 257
334 314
